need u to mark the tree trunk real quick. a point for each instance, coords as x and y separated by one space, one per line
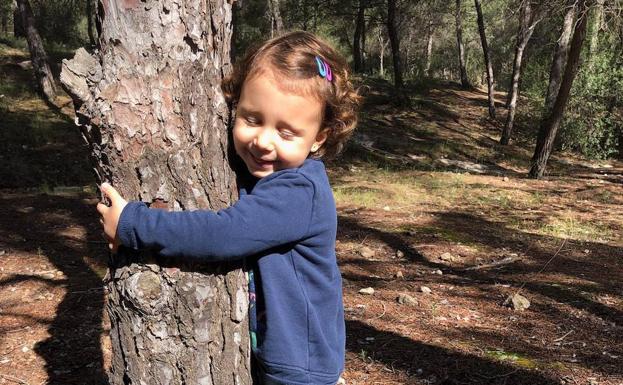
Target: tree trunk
551 122
459 40
149 105
18 29
359 30
90 24
274 14
485 49
597 17
392 31
429 48
383 45
527 22
560 57
40 64
363 43
5 23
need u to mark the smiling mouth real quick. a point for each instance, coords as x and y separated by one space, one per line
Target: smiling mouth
260 162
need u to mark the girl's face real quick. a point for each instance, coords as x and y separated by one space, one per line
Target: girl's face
275 129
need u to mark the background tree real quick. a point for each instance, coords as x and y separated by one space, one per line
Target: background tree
487 56
150 106
394 39
529 18
274 17
359 38
560 55
90 13
461 46
551 121
38 56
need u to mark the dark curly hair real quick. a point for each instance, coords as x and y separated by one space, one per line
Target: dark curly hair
291 59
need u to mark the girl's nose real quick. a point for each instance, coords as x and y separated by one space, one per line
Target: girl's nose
264 140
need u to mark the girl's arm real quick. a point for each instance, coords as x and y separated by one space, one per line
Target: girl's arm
277 213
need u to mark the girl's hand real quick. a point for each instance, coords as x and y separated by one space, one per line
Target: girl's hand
110 214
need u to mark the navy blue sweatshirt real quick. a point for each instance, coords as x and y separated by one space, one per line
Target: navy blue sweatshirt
286 227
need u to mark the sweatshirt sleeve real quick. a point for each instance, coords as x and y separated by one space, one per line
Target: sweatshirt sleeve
278 212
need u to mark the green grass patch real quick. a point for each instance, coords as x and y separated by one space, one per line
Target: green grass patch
515 358
568 226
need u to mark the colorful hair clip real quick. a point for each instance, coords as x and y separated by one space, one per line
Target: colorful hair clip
324 69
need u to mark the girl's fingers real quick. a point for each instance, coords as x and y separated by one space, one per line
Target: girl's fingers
101 208
110 192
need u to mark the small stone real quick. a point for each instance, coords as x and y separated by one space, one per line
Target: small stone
366 252
5 361
25 349
406 299
438 272
341 381
586 251
399 254
367 291
2 252
399 274
446 257
387 208
419 371
517 302
425 289
505 179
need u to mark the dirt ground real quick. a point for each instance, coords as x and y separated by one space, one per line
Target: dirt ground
434 216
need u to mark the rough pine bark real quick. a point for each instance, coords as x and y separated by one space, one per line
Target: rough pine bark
149 105
551 122
461 46
392 31
38 56
527 22
488 64
560 56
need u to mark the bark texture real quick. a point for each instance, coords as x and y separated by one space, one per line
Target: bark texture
527 22
485 49
461 46
551 122
38 56
149 105
560 57
392 31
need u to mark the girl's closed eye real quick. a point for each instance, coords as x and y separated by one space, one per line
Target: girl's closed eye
251 120
287 134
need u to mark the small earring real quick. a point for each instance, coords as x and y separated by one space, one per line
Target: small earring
314 148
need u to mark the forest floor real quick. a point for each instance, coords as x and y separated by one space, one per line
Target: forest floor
432 211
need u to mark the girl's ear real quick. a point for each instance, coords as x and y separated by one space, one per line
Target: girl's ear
321 137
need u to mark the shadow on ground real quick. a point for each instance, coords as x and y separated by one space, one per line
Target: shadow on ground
43 224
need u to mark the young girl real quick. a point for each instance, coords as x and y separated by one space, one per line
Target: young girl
294 104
